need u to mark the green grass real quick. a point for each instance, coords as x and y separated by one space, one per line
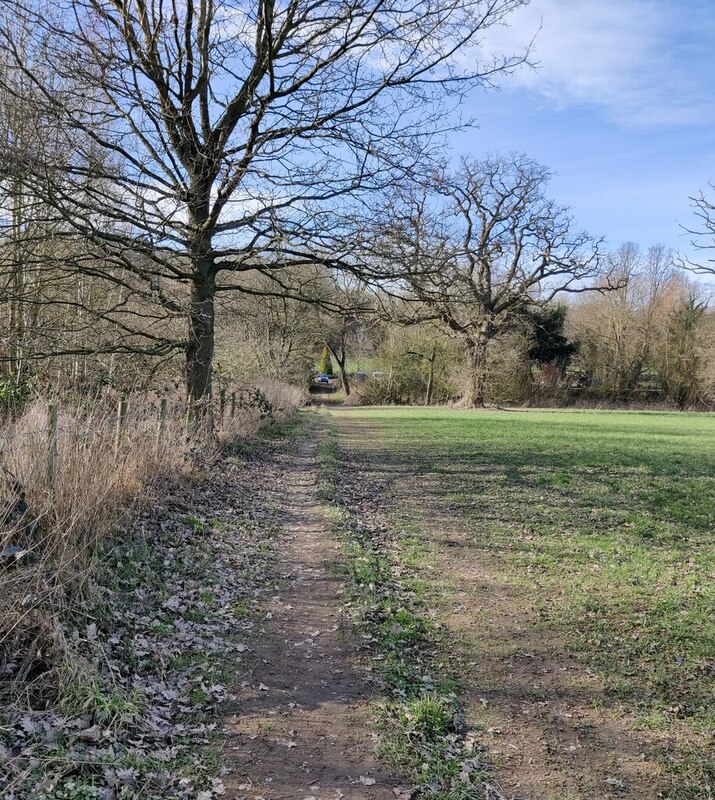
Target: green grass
367 364
198 525
606 518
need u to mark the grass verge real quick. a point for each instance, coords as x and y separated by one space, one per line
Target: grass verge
602 522
133 698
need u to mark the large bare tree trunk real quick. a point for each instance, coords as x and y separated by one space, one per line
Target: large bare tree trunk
477 365
340 355
200 349
344 378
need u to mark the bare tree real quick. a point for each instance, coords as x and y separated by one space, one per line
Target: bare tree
345 321
209 138
703 233
487 244
261 331
428 349
19 128
618 329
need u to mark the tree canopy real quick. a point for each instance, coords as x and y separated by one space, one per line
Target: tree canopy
194 142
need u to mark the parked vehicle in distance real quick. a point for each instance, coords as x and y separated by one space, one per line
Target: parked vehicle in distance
323 378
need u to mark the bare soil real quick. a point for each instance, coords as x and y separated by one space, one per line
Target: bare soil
549 729
301 726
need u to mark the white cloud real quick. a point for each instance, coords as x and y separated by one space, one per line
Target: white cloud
644 62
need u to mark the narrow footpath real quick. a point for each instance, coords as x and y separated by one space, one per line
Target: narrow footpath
301 727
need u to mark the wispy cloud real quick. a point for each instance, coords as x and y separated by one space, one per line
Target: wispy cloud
644 62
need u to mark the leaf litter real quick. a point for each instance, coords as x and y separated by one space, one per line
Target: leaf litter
140 707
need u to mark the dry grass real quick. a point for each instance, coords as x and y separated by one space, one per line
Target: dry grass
102 479
282 400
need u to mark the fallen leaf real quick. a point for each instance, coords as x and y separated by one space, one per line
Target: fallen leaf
28 725
92 734
617 783
127 777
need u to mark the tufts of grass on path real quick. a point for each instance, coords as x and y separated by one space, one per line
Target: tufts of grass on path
419 722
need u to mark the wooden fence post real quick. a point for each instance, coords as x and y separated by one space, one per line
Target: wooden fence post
189 417
52 448
222 403
208 420
122 413
233 404
161 427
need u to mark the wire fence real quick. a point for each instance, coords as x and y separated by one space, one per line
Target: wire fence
197 417
73 476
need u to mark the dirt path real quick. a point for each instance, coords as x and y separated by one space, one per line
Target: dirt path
301 727
548 726
549 729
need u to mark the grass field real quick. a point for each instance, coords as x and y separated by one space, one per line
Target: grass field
606 519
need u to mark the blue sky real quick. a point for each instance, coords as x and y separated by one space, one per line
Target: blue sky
621 108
